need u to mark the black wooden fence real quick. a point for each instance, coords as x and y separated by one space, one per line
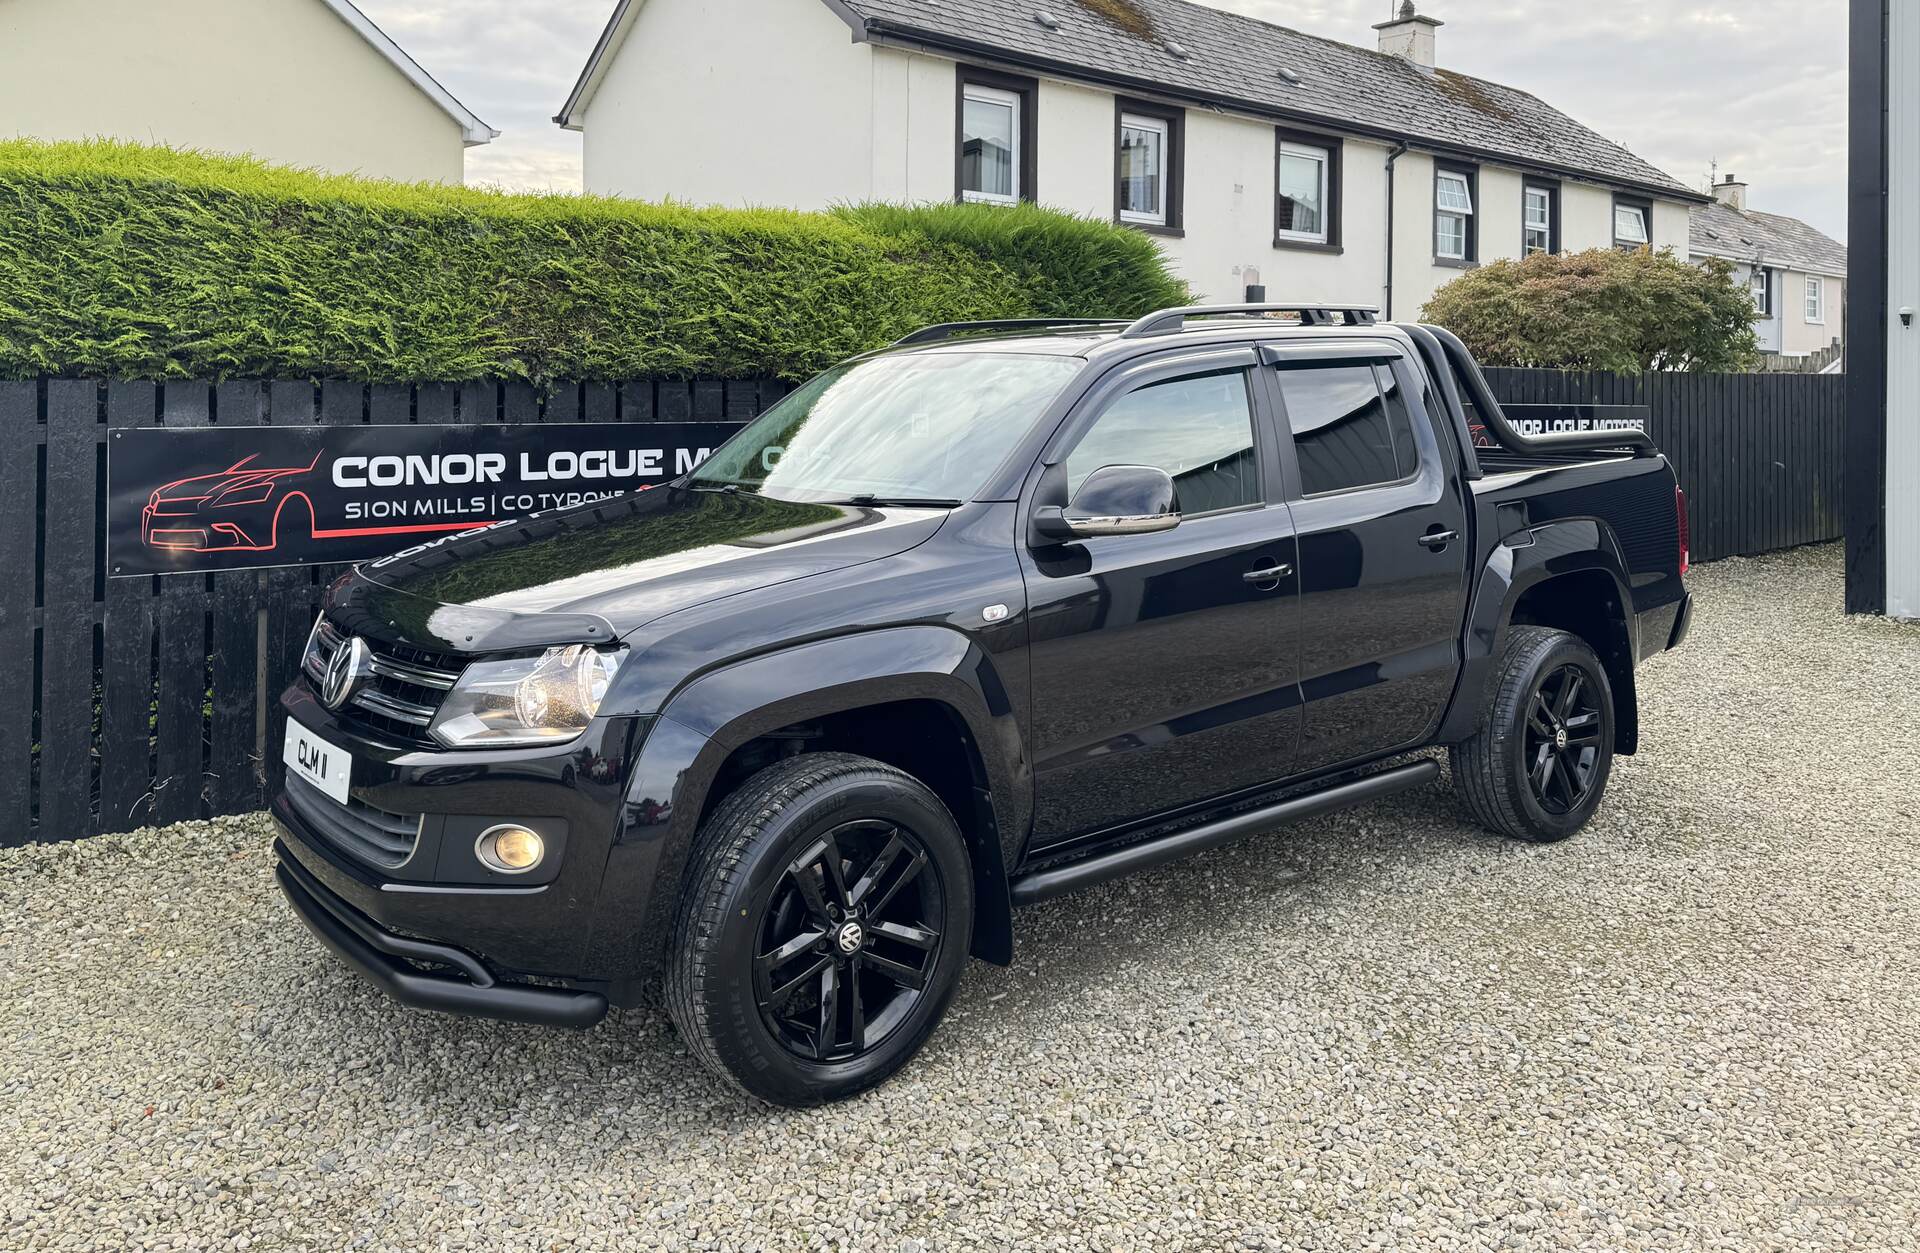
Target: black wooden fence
1759 454
125 702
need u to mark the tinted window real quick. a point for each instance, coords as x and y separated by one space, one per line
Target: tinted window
1346 434
1199 430
929 425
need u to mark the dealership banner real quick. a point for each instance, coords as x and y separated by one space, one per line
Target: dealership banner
192 499
1549 419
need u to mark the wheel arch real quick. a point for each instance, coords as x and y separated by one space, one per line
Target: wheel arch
1571 576
924 699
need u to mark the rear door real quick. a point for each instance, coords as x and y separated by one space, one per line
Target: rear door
1383 547
1164 666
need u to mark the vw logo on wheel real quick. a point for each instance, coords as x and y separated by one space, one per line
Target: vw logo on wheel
347 670
850 937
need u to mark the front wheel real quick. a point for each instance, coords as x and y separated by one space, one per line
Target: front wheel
825 920
1537 766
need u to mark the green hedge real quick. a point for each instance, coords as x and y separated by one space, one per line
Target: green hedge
123 261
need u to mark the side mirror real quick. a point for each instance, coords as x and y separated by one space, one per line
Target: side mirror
1114 500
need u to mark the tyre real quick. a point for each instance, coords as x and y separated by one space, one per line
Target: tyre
822 927
1537 766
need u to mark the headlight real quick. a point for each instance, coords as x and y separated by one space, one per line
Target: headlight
527 700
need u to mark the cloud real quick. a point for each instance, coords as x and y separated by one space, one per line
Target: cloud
1758 85
512 62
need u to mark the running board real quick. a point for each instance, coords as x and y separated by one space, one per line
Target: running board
1101 867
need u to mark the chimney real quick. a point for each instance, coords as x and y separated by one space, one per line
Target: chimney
1409 35
1731 193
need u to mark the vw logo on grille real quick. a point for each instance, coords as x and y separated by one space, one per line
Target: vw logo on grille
347 671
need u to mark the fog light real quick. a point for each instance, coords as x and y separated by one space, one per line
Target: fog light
510 849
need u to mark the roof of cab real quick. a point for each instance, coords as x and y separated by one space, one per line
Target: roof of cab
1106 339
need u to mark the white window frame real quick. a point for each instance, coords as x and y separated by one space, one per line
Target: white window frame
1011 99
1816 302
1464 215
1325 157
1527 193
1761 284
1641 215
1160 127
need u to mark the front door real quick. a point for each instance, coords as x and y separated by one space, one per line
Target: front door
1164 665
1383 552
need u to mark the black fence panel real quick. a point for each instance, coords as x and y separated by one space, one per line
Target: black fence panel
1758 454
130 701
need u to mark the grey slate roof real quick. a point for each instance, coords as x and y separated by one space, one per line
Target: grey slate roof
1785 242
1240 59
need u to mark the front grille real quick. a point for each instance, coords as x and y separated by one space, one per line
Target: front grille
373 835
408 684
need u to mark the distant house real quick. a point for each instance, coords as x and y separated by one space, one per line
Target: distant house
1798 276
298 82
1258 157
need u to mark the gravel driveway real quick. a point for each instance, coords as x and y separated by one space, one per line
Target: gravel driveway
1695 1026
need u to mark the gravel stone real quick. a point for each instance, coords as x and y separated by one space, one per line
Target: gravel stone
1694 1026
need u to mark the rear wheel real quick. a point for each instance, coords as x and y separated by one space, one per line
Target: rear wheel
1537 767
826 918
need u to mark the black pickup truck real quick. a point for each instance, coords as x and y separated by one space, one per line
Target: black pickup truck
1000 611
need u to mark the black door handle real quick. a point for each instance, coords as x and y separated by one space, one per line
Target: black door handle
1439 539
1268 574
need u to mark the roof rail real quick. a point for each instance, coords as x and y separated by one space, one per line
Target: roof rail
947 330
1170 321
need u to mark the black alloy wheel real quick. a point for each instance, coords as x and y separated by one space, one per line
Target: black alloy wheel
1562 740
825 917
849 940
1536 767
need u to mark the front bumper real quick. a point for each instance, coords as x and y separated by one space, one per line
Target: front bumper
388 961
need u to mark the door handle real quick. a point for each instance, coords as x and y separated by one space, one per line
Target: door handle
1439 539
1267 574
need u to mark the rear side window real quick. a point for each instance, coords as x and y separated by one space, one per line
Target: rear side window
1198 429
1347 431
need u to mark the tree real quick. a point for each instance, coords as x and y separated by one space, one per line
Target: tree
1601 310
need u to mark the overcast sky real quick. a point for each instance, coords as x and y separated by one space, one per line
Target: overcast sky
1759 85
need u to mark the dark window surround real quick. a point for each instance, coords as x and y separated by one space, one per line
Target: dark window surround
1176 175
1028 89
1553 212
1646 215
1472 174
1765 275
1312 139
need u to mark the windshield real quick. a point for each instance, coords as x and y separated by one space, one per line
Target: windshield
919 428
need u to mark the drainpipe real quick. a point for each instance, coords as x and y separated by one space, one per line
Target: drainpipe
1387 302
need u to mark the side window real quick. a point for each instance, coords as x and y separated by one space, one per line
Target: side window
1198 429
1347 433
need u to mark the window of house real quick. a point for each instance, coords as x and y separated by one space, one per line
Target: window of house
1149 164
1763 292
1538 212
990 145
1198 429
1347 433
1307 191
1816 299
1630 226
994 162
1453 215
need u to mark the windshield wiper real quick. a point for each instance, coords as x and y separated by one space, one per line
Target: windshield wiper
868 499
702 486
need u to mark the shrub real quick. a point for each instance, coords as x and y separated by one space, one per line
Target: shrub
118 260
1601 310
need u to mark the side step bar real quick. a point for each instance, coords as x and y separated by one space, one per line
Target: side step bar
1101 867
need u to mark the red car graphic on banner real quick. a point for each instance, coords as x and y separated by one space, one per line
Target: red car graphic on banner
242 508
